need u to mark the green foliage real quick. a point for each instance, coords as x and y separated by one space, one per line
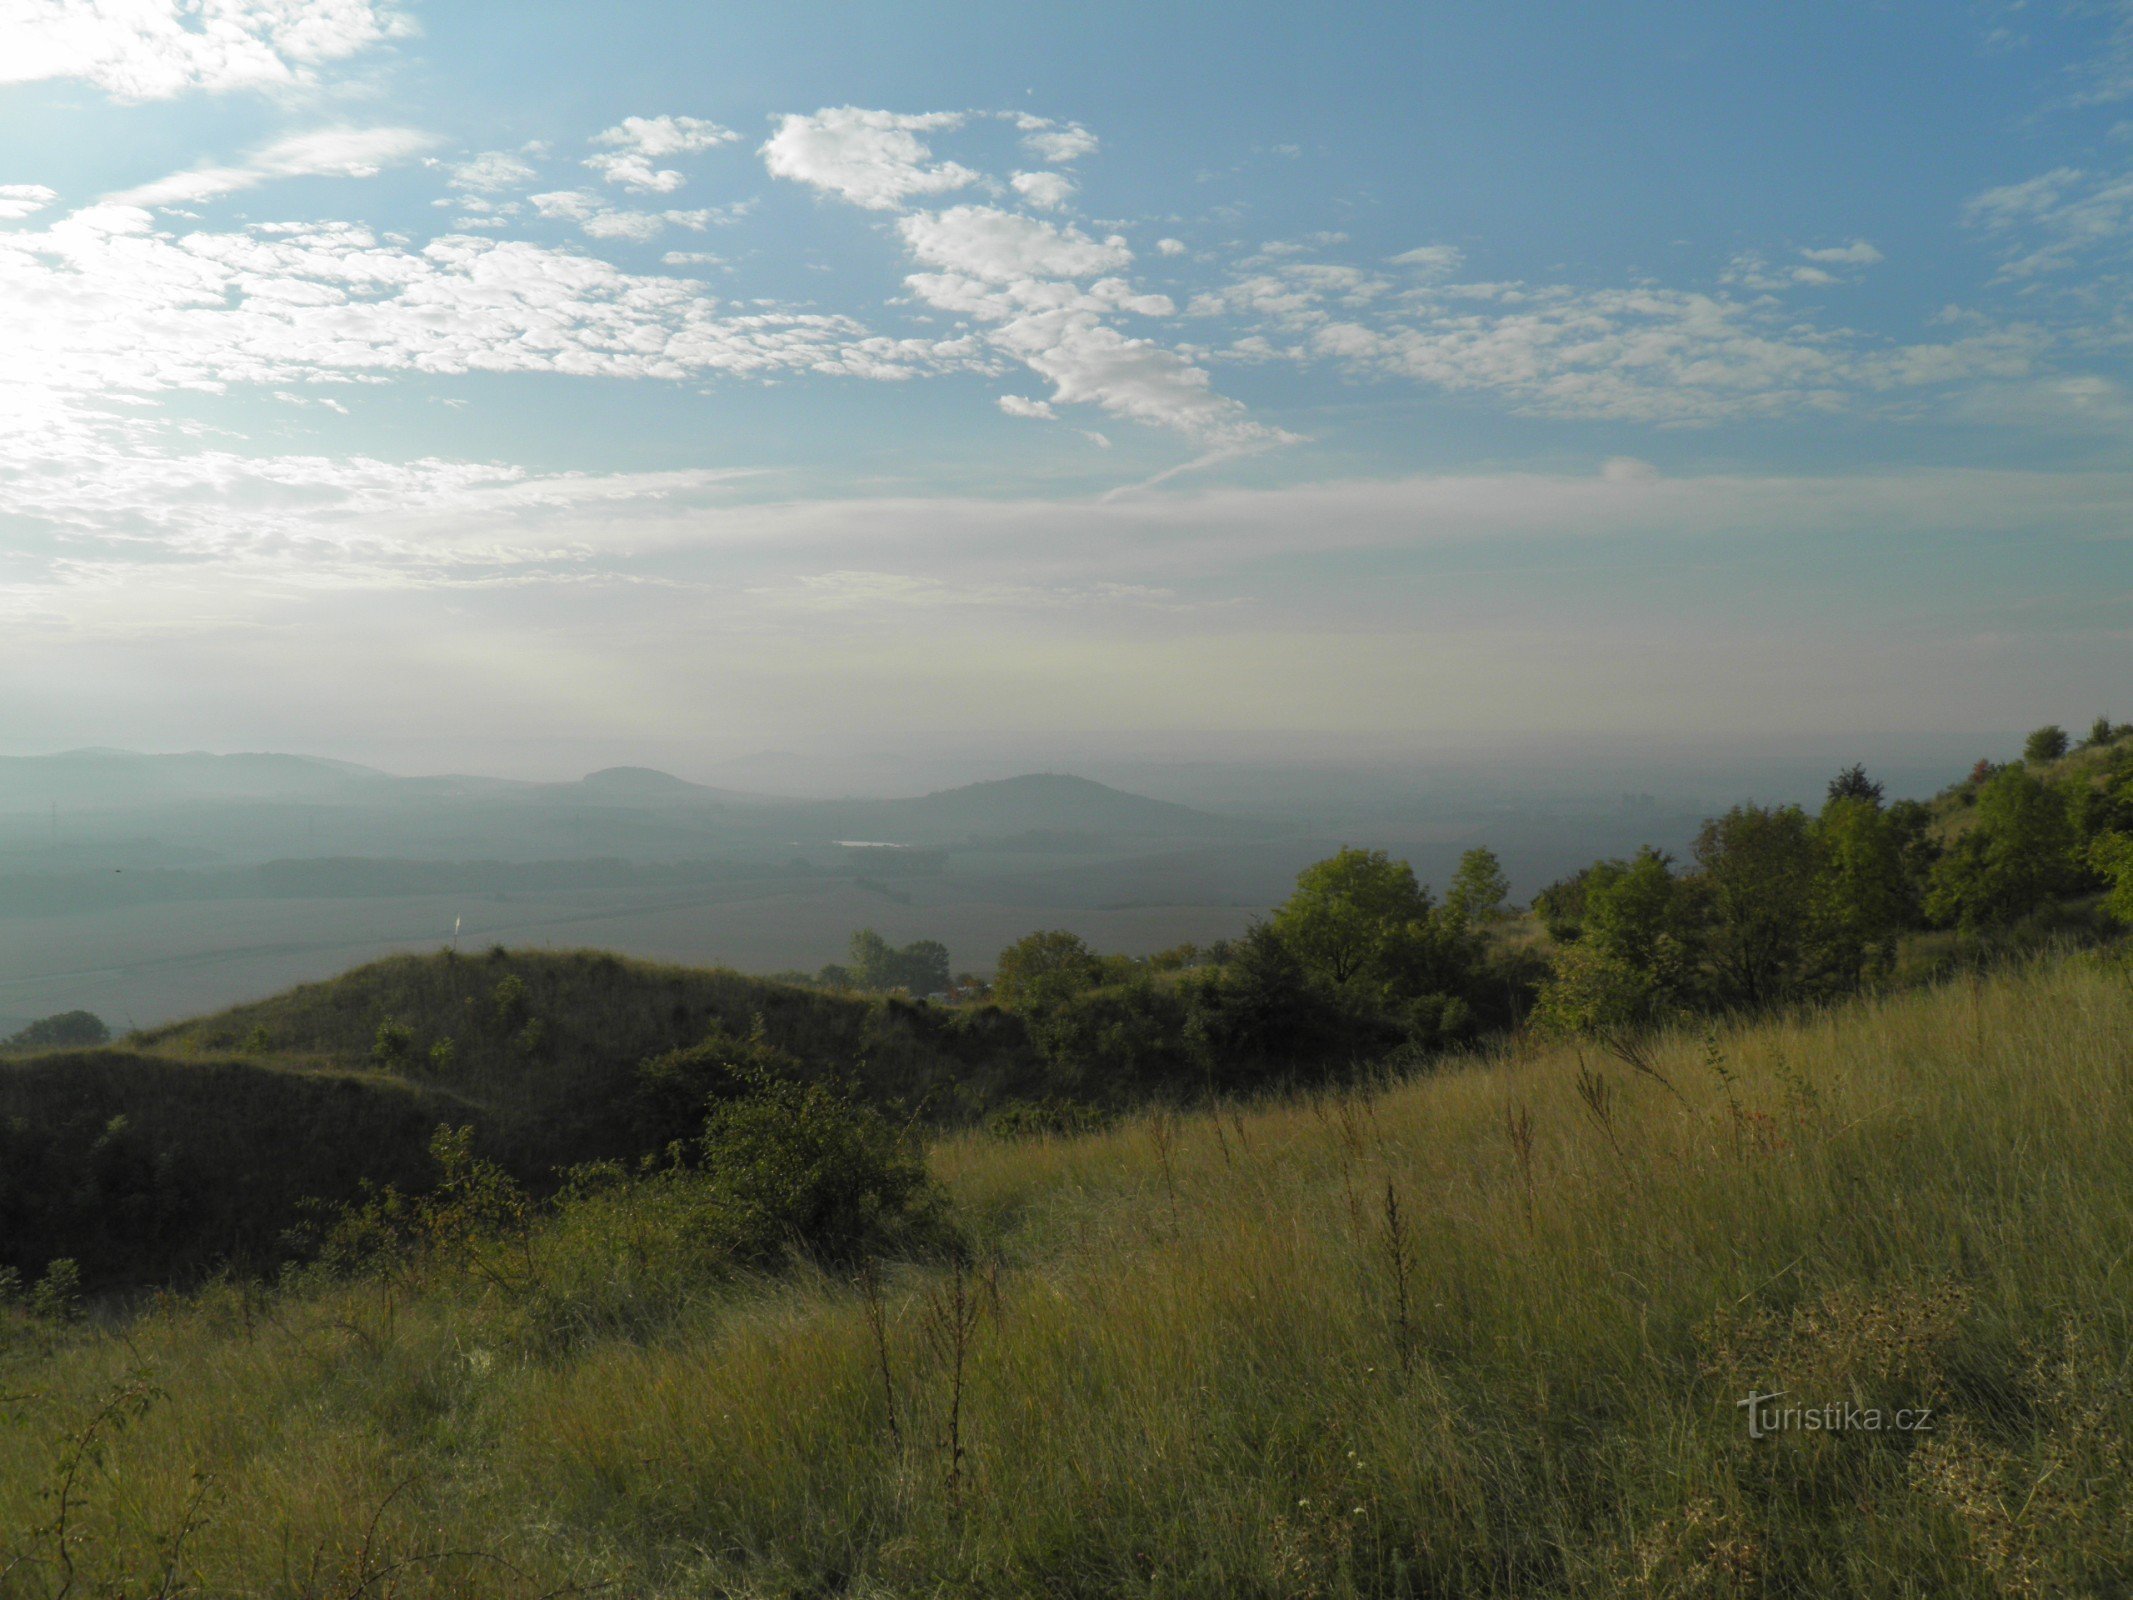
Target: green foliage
2016 856
1759 873
2112 858
145 1169
805 1167
1041 970
1261 1019
1590 992
69 1030
394 1043
1642 915
1116 1042
1863 897
568 1094
1479 889
1853 784
1357 917
507 1002
920 968
2047 744
676 1090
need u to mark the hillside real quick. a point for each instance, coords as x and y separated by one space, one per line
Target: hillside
545 1046
1483 1333
138 1167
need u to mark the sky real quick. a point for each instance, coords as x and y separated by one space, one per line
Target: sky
526 387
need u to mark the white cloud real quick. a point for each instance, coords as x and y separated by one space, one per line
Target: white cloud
598 220
1437 259
1013 275
1170 247
636 142
126 311
1004 246
871 158
1751 269
2052 221
491 171
1647 354
1856 254
1046 190
1061 144
19 200
1017 406
326 152
155 49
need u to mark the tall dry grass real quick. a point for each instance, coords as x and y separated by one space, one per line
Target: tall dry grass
1195 1355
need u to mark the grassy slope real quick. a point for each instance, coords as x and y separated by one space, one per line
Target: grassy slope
137 1165
568 1095
1190 1374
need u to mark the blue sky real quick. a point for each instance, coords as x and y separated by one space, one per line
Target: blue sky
451 384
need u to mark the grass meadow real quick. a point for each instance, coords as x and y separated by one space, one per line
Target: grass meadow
1483 1332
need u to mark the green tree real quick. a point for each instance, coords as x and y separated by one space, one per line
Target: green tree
2016 856
68 1030
1043 969
1862 899
1639 913
1479 889
1355 917
2100 734
1759 870
2112 858
2045 745
919 968
1259 1017
1853 784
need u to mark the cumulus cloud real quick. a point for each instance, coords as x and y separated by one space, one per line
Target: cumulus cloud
155 49
1017 406
1015 276
19 200
1856 254
634 144
1004 246
491 172
126 310
1045 190
326 152
1814 268
1022 282
874 159
1059 143
598 220
1170 247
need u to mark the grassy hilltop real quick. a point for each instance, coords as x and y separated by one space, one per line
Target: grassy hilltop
1478 1333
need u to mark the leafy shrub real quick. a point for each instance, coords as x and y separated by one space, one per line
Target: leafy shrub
395 1042
1043 969
803 1166
69 1030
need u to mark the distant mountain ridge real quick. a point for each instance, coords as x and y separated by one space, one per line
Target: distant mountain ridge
1047 803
